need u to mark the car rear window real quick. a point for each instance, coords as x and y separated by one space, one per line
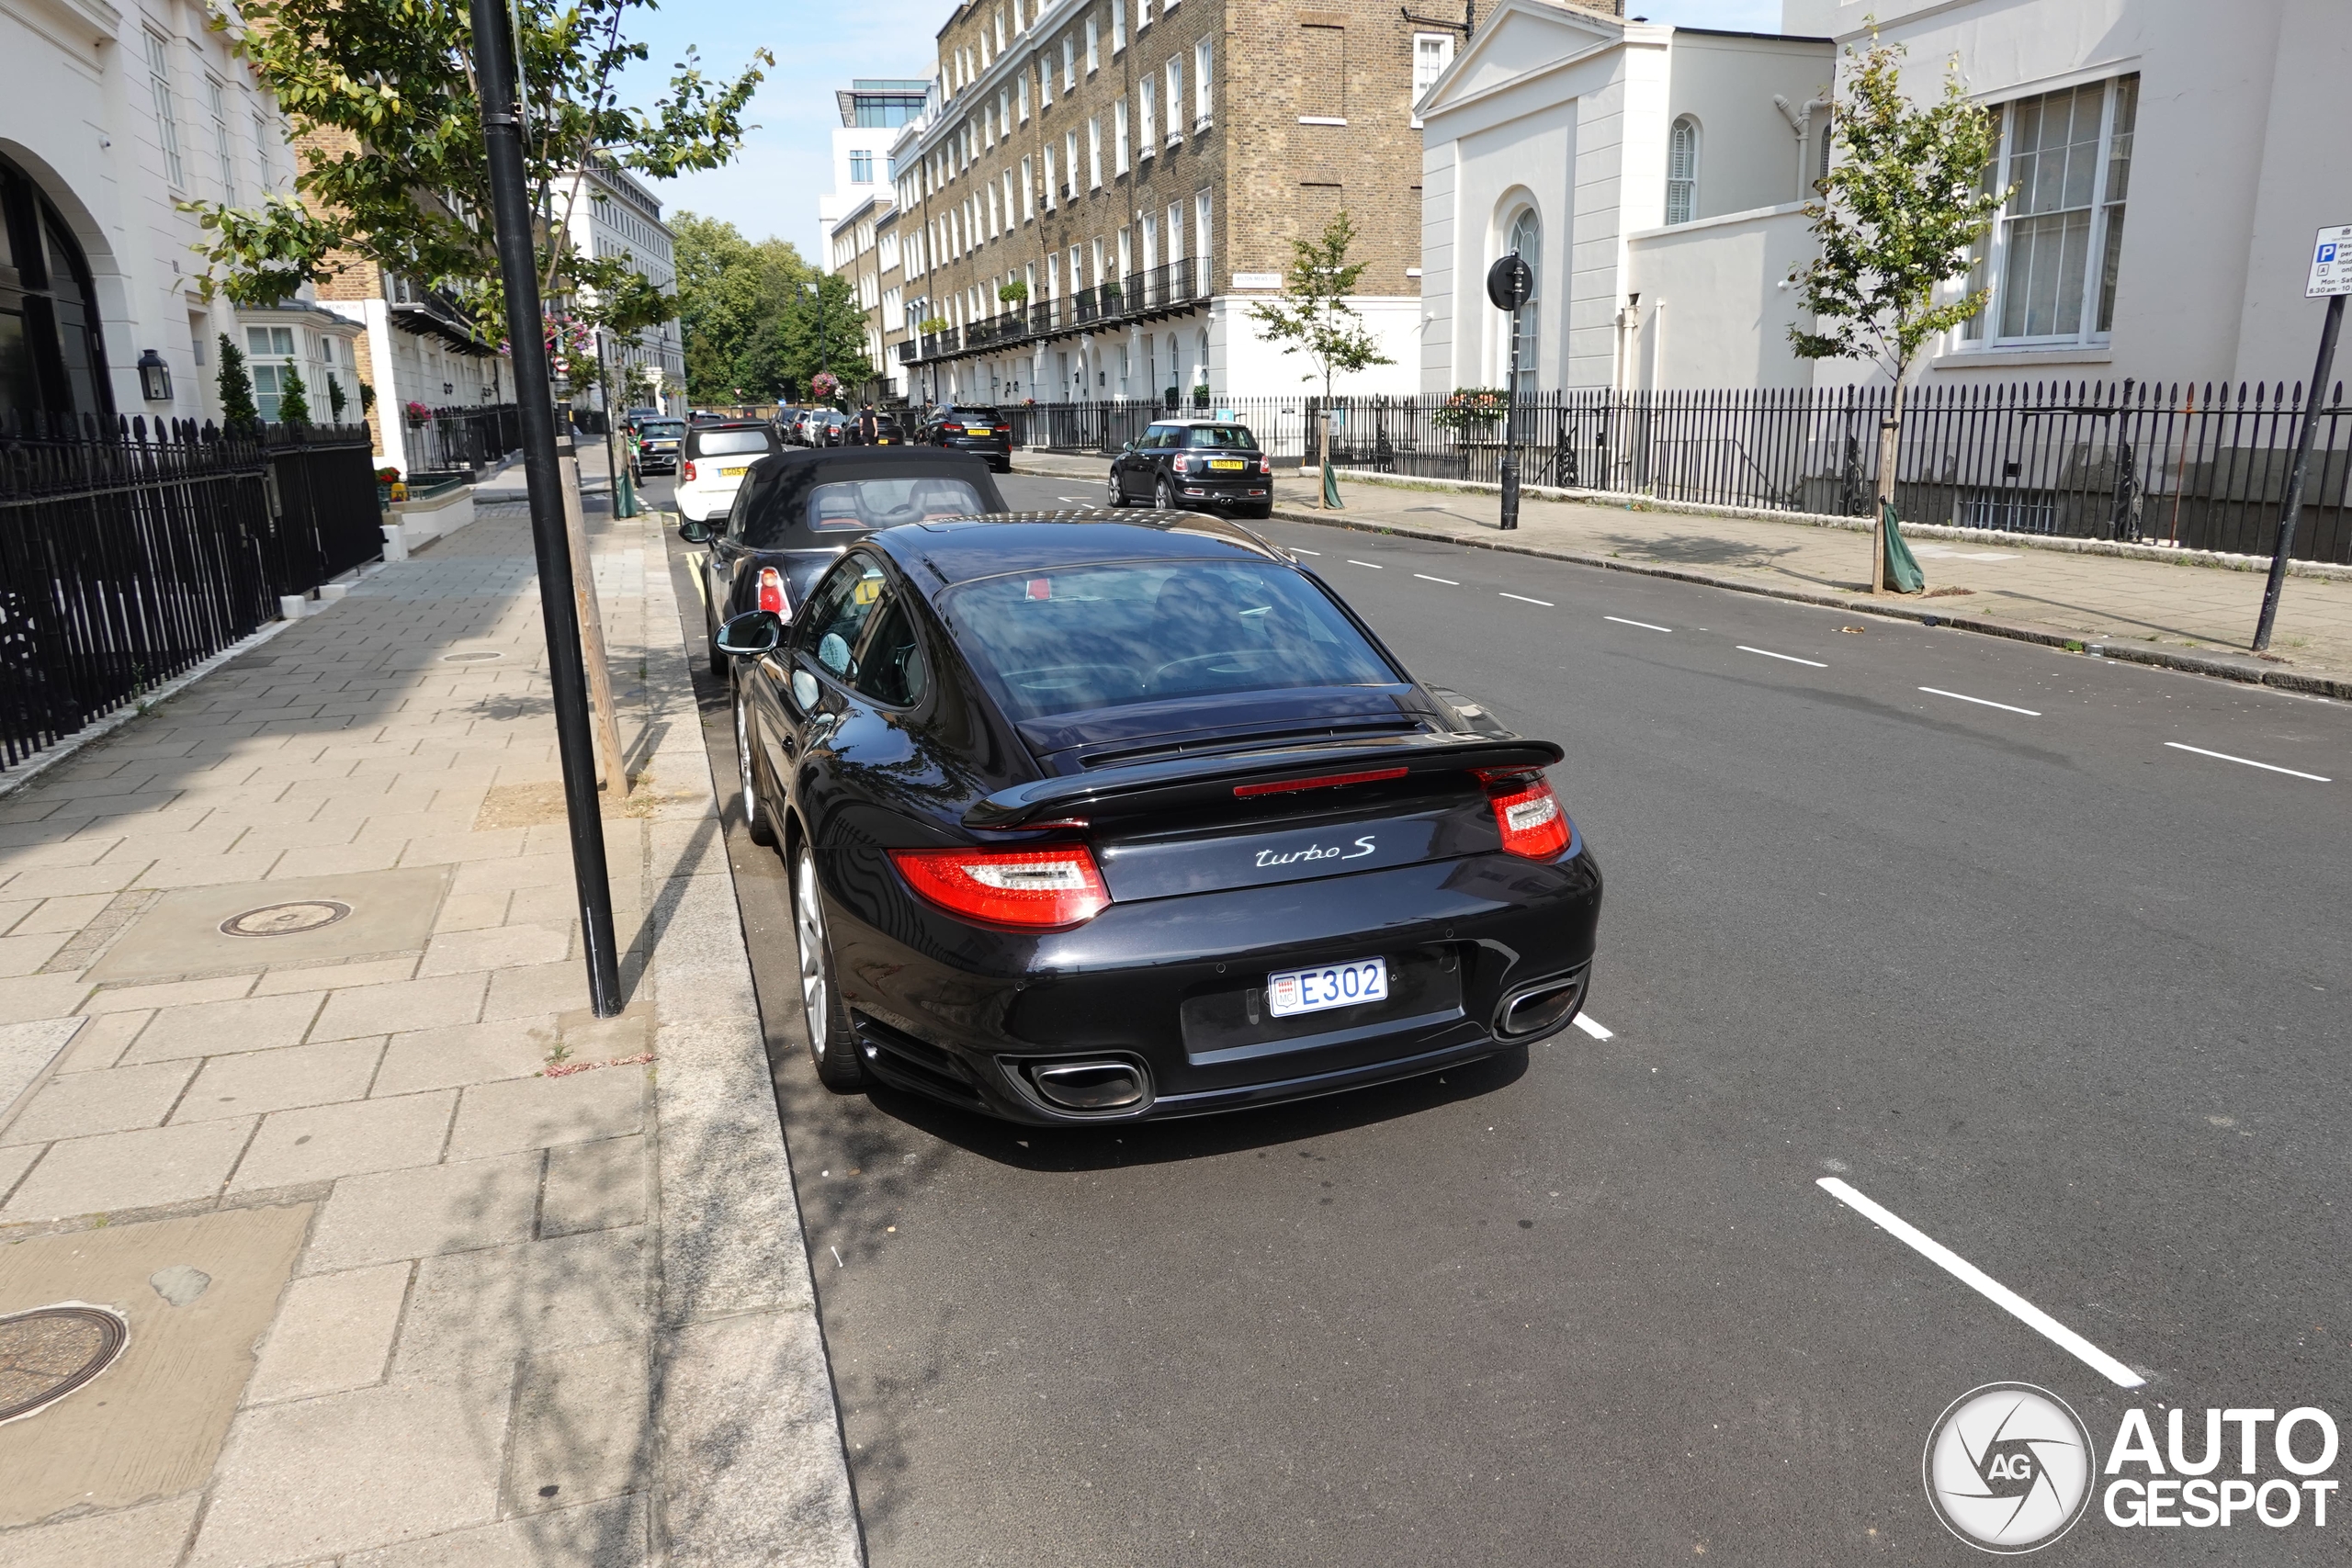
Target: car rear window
1224 438
729 443
1067 641
886 503
976 415
669 429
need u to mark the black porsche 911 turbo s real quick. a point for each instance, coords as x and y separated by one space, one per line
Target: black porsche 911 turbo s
797 511
1097 816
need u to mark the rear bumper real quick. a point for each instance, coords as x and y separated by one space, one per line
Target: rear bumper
963 1013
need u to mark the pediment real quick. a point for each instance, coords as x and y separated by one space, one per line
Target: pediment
1519 38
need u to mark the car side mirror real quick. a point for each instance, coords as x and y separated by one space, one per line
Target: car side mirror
750 634
695 532
1128 448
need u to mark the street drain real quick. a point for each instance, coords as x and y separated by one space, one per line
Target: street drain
286 919
49 1352
479 657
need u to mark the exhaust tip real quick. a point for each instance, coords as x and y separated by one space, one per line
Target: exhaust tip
1089 1085
1540 1010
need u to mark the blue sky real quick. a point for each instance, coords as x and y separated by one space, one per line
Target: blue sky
773 187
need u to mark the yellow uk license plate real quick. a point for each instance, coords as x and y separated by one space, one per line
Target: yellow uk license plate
978 430
1226 462
734 473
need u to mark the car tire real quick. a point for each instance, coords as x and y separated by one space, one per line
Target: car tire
831 1045
1117 492
718 660
1161 496
756 820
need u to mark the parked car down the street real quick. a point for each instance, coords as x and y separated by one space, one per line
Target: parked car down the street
1194 462
799 511
1089 818
716 457
657 441
971 427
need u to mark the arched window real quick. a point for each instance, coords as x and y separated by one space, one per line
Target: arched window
50 357
1682 172
1526 241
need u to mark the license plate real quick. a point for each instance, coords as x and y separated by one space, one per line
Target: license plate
1292 991
978 430
734 473
1233 463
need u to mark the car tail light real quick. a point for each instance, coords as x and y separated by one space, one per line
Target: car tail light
1040 889
1533 826
773 597
686 472
1182 465
1004 429
1265 465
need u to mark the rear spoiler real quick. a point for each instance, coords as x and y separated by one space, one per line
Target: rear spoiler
1195 781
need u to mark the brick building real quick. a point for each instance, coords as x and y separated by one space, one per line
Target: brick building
1098 189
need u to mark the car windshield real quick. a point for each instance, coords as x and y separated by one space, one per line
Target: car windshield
728 443
665 429
1065 640
884 504
1224 437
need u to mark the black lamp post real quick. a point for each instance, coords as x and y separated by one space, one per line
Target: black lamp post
1509 283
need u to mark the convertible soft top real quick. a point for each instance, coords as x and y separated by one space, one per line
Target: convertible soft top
778 485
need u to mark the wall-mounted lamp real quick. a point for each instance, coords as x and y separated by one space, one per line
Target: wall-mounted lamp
154 377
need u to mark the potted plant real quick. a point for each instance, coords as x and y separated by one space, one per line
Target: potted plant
1013 293
1201 395
1472 412
932 325
388 488
418 413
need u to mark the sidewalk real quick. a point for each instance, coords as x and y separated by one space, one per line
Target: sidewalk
2194 617
292 963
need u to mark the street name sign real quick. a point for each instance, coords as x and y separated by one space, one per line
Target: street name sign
2331 262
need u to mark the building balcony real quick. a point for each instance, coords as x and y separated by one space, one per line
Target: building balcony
1170 289
432 312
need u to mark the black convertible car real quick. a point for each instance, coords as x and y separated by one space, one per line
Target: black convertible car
1094 817
797 511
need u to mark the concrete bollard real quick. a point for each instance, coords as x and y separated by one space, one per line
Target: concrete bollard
292 606
395 543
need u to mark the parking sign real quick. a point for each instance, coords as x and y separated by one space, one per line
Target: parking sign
2331 262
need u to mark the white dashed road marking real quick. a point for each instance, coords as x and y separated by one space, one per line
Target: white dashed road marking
1302 550
1646 625
1980 701
1593 1028
1983 1285
1425 576
1375 565
1792 657
2266 767
1525 600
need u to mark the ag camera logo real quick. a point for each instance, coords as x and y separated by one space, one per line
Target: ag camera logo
2008 1468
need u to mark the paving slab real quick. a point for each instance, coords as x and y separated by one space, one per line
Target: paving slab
426 1210
333 1333
129 1170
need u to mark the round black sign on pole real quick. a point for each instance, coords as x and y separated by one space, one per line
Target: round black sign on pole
1511 283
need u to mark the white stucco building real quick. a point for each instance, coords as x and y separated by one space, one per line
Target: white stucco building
114 113
1663 170
615 215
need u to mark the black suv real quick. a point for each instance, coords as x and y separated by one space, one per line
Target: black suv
1196 464
972 427
657 444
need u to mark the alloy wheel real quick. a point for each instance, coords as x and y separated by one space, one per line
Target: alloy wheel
1111 486
744 759
809 927
1161 496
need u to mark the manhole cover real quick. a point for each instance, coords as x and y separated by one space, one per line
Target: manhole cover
482 657
48 1353
284 920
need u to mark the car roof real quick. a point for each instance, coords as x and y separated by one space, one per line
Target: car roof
734 424
960 549
1200 419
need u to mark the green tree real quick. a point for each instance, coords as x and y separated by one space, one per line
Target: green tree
293 398
381 99
336 397
237 410
1899 212
1313 316
751 323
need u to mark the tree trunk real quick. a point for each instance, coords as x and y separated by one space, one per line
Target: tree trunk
1890 439
592 629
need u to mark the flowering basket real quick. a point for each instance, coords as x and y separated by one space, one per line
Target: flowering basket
1474 409
419 415
825 383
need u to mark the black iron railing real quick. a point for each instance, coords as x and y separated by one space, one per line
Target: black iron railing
1168 287
129 553
2203 466
464 437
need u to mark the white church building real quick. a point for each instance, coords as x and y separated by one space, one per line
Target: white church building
1656 176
